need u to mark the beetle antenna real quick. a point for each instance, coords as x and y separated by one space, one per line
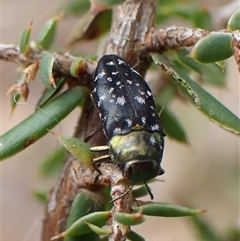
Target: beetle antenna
126 192
149 191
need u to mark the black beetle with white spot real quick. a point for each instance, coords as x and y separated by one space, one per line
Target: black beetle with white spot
129 119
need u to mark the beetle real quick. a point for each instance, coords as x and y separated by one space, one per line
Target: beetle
129 119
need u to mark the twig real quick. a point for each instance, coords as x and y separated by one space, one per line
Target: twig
160 40
62 62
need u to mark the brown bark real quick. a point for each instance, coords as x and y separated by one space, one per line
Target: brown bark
131 22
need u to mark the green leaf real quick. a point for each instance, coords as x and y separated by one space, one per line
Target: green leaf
199 16
97 230
212 48
203 101
85 202
202 18
78 148
205 230
38 124
140 192
24 40
172 126
166 210
48 32
78 66
50 93
91 26
209 73
129 219
80 227
52 164
45 70
75 7
107 3
195 14
234 21
133 236
41 194
165 96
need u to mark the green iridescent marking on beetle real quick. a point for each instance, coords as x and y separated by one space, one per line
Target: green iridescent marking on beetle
124 153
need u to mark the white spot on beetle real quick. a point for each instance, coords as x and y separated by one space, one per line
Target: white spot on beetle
117 131
129 122
152 140
137 84
120 62
100 75
102 97
111 90
118 83
109 79
155 127
113 96
143 119
129 81
104 118
141 92
149 93
114 73
110 63
139 99
121 100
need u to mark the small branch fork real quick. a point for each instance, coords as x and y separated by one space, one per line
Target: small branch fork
157 40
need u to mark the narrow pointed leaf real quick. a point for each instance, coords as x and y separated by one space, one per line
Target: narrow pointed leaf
133 236
80 227
45 70
91 25
209 73
203 101
24 41
107 3
205 230
50 93
165 96
76 7
140 192
97 230
41 194
172 126
38 124
166 210
78 148
85 202
129 219
48 32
